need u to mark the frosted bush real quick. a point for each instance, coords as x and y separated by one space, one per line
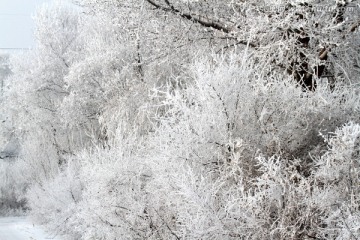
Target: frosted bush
228 112
231 154
235 153
12 188
280 202
54 202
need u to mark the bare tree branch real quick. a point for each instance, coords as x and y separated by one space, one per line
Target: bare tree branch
202 20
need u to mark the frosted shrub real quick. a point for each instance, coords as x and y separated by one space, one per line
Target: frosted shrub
233 156
99 194
235 153
114 199
54 202
12 188
336 183
228 112
279 202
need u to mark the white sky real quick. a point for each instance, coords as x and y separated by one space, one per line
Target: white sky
16 24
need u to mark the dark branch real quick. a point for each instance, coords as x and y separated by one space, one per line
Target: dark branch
204 21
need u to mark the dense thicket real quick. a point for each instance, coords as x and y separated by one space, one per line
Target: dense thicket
157 119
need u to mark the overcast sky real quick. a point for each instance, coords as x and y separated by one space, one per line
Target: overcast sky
16 24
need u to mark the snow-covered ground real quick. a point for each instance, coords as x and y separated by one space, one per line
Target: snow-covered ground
20 228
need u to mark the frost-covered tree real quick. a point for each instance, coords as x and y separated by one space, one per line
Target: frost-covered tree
306 39
207 120
5 133
33 95
104 81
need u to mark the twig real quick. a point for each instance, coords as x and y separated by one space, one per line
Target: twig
168 227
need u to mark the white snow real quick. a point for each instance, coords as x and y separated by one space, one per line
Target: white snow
21 228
